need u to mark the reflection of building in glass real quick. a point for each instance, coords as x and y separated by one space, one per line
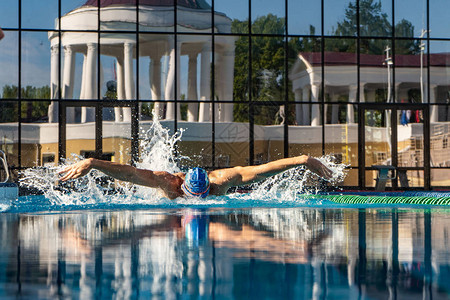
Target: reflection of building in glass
340 70
154 16
341 129
346 81
374 84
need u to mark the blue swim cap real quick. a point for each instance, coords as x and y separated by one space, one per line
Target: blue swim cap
196 183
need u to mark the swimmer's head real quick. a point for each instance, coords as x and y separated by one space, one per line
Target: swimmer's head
196 183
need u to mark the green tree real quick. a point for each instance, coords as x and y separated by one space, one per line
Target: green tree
268 76
405 28
30 111
111 90
10 92
372 22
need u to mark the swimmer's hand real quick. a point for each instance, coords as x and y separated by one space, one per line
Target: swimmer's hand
319 168
76 170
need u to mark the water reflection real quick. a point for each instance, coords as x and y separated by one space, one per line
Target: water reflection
248 253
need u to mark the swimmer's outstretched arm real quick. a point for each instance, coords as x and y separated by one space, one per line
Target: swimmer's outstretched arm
250 174
154 179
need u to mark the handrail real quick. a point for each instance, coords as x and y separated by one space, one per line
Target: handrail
5 165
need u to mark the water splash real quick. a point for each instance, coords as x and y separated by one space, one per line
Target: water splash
90 189
157 152
289 185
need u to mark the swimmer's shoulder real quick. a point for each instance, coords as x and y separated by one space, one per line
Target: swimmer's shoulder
181 175
220 181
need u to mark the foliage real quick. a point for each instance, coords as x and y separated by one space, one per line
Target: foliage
111 90
265 79
146 111
30 111
405 29
373 23
110 95
268 75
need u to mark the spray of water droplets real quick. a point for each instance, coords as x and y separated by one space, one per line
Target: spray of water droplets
290 185
91 189
157 149
157 152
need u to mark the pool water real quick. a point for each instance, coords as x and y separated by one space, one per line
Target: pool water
255 250
85 240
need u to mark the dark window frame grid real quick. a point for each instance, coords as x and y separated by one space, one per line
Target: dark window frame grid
252 103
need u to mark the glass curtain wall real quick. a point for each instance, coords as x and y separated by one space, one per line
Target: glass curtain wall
247 81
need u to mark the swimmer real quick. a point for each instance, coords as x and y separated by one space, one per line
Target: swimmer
2 35
196 182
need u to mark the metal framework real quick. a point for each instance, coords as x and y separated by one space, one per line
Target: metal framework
251 103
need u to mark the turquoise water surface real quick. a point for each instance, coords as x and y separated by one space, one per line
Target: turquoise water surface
96 238
223 248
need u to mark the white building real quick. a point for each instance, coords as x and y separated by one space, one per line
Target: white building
341 68
151 16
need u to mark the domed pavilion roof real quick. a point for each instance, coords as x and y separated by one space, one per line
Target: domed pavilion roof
194 4
154 15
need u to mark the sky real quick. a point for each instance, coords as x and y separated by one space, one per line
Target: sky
42 14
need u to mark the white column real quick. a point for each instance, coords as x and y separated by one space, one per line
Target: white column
362 95
351 100
53 107
178 89
83 79
90 76
101 77
298 107
54 71
434 108
205 81
170 84
334 108
68 81
218 85
228 74
155 83
91 71
129 78
118 112
315 111
305 107
192 88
